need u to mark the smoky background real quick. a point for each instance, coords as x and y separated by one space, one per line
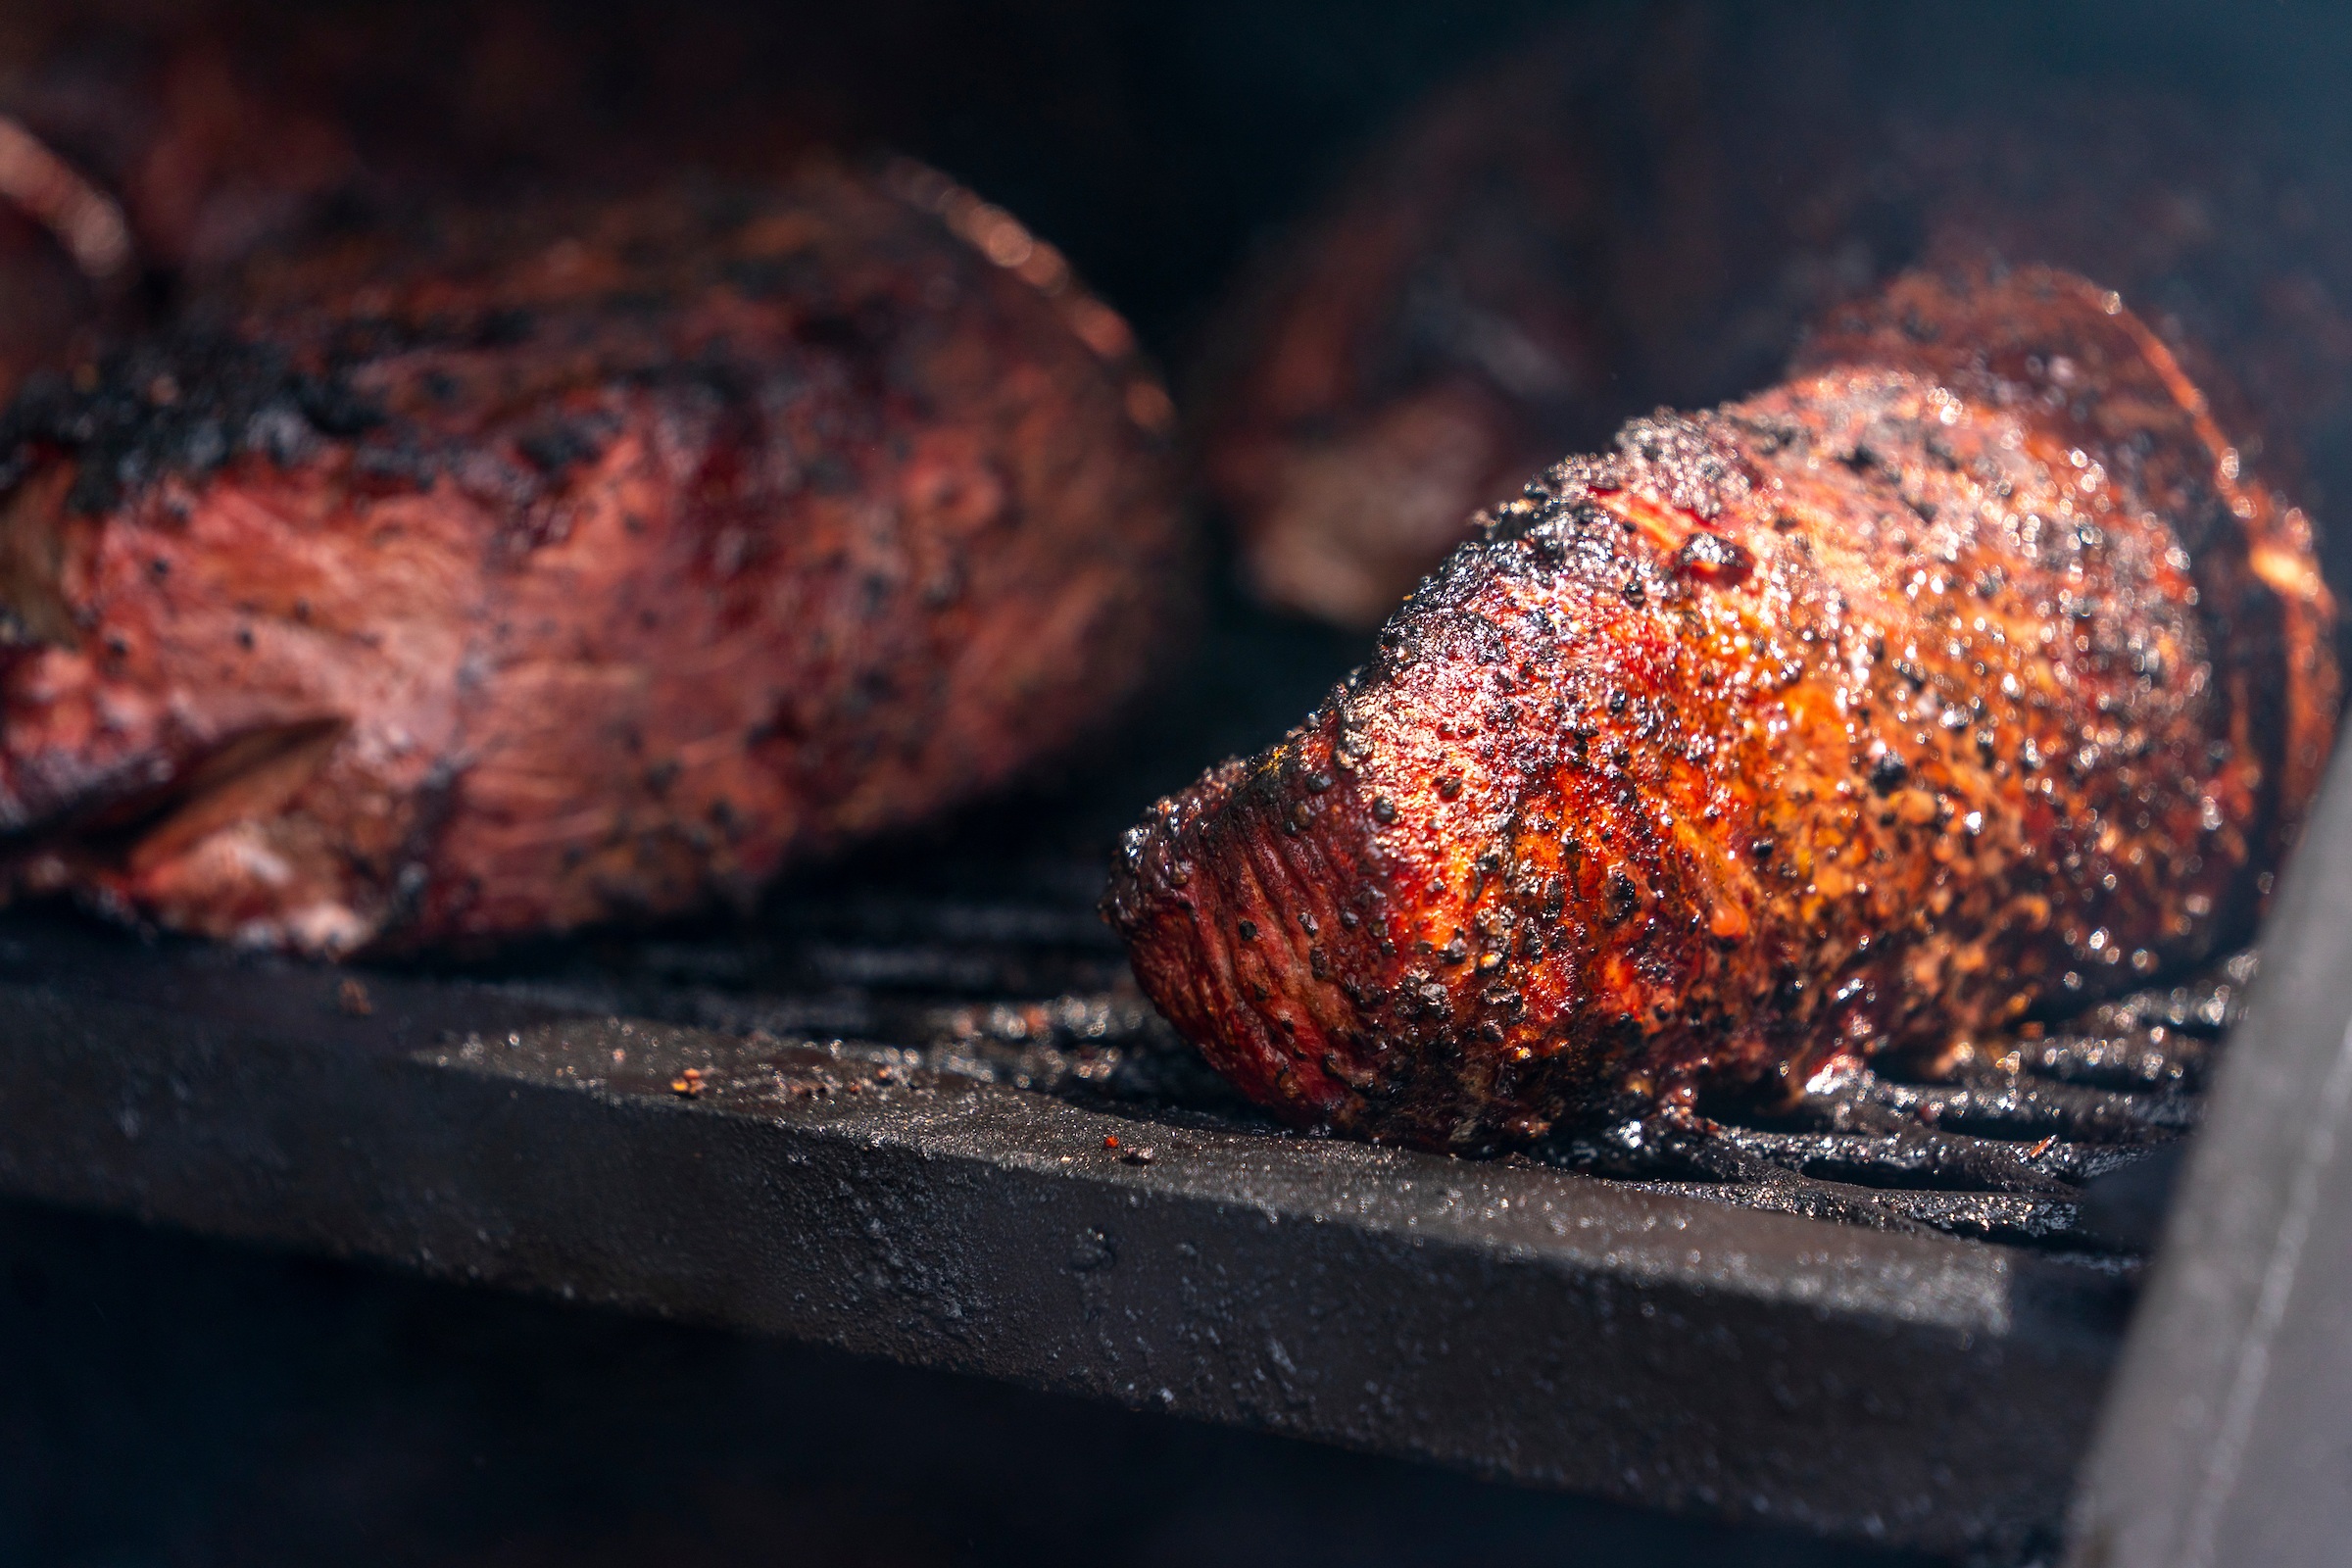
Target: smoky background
168 1400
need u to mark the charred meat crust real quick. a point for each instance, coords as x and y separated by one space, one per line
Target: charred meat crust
627 549
1960 673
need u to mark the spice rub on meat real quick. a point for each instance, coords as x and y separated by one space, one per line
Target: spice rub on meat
1960 672
530 568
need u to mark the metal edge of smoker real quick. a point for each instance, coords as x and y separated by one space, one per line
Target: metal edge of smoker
2223 1438
1515 1321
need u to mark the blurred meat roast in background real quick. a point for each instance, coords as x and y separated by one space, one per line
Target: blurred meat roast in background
506 570
1628 215
128 161
209 127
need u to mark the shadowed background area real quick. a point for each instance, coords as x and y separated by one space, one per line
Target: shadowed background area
180 1403
176 1401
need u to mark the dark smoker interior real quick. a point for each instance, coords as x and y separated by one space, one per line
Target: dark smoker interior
175 1400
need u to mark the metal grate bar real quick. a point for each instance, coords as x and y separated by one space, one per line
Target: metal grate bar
1999 1148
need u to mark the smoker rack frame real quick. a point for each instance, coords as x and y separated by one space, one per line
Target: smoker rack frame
1512 1320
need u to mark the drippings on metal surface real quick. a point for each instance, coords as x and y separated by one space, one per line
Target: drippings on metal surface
1031 993
526 1128
877 1116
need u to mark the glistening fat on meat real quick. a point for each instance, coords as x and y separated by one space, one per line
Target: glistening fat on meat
1961 674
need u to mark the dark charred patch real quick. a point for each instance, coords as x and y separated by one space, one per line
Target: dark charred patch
1713 560
556 445
228 397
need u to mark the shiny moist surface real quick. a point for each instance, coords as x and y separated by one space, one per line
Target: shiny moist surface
1958 675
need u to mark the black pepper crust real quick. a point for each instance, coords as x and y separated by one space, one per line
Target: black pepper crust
1959 674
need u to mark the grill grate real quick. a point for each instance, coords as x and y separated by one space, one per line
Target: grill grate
930 1046
999 971
2001 1146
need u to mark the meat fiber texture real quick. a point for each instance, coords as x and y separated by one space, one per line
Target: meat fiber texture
591 560
1963 673
1647 211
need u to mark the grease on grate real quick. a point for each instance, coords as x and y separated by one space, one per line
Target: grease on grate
1029 993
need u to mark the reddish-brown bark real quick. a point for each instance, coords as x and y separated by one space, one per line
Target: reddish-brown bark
1959 673
528 570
